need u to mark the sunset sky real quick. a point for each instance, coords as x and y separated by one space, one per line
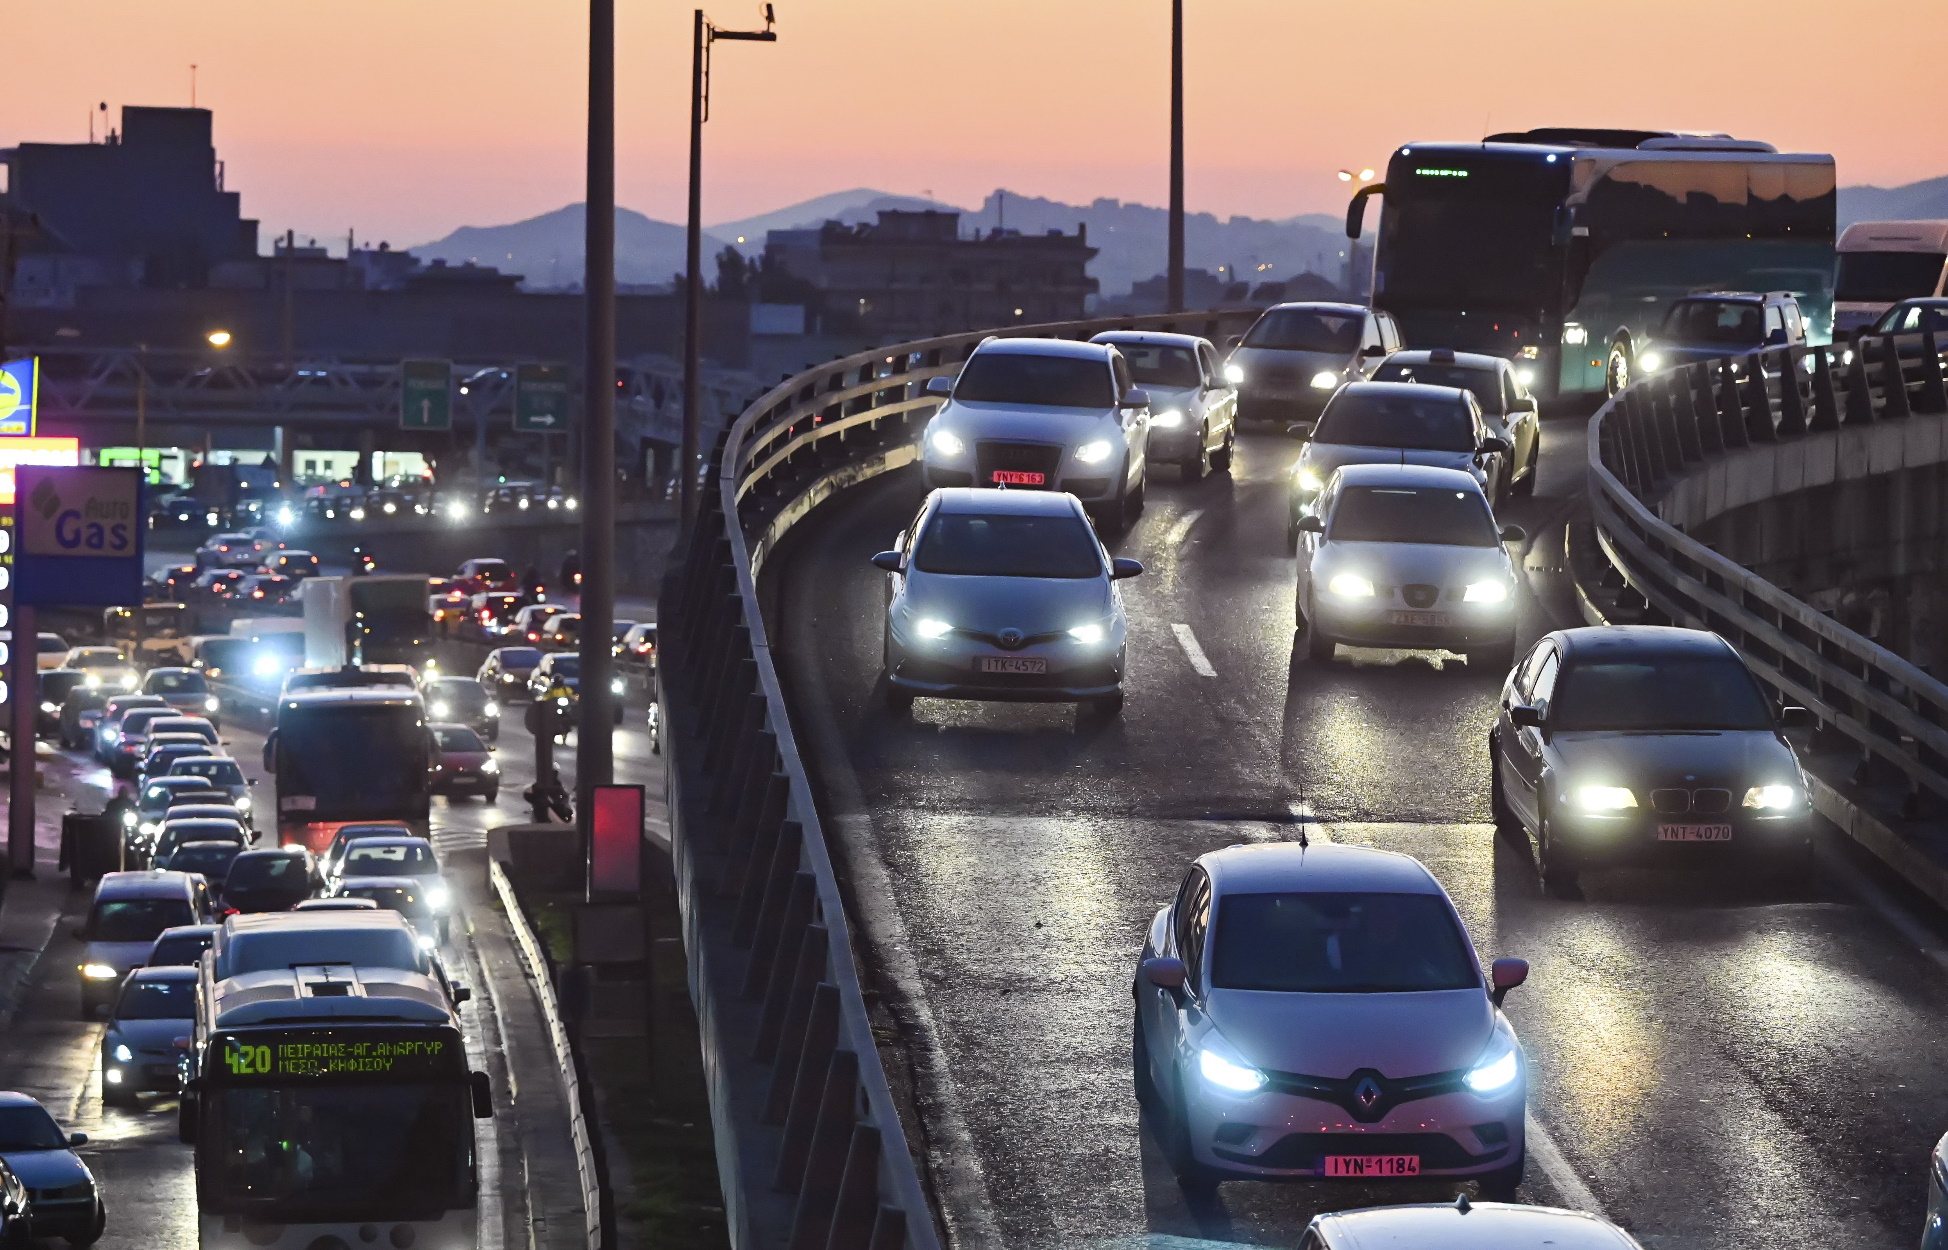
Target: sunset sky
407 118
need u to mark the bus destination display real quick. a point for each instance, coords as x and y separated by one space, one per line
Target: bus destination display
319 1054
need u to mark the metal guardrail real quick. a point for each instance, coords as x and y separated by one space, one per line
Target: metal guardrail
763 910
1654 432
536 963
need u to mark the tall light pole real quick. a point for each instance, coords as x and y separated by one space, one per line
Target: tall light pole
1176 264
705 34
594 740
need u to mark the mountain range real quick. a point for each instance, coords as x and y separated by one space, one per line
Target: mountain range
1130 238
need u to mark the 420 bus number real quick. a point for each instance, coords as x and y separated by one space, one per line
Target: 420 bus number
248 1060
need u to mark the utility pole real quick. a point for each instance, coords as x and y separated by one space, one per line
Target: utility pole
1176 261
290 312
22 671
594 739
704 35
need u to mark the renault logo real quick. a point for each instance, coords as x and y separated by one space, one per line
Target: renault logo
1367 1093
1010 637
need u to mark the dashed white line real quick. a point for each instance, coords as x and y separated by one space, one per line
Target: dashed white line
1193 652
1549 1157
1181 530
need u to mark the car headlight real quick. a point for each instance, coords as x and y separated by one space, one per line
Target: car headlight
111 735
99 972
1605 798
946 443
128 819
1525 376
123 1054
92 682
1225 1074
1094 452
1650 362
1325 380
150 827
436 896
50 708
1308 480
210 704
1485 592
1089 635
265 666
1529 351
492 768
928 627
1350 586
1234 374
616 687
128 681
440 711
243 802
1168 419
492 708
1772 798
1496 1070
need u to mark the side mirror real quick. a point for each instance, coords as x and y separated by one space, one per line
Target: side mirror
1311 523
1776 339
483 1095
1514 534
181 1043
1136 398
888 560
1299 431
1493 446
1525 715
942 387
1525 403
1166 974
1796 718
461 994
1371 350
1122 567
77 1139
1505 975
1232 340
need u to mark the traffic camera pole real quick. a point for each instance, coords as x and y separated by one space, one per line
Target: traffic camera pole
594 745
1175 269
25 701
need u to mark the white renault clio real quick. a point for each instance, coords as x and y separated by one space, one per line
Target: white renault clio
1319 1013
1044 414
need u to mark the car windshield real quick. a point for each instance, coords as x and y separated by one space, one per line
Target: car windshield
1307 330
1876 277
1398 514
208 860
1153 364
252 871
405 899
178 951
458 738
29 1128
1713 323
401 860
1485 383
1371 417
51 644
1021 378
223 653
157 1000
96 659
176 683
968 545
1901 319
461 693
138 919
222 772
569 666
1339 944
519 657
1669 693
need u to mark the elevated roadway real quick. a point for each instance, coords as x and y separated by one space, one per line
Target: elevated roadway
1714 1063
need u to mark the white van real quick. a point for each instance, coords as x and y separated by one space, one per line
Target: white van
1883 262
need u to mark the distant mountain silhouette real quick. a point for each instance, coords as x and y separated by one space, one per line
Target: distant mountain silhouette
1917 201
850 207
547 250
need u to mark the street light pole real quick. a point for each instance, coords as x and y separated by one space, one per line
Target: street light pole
1176 265
703 36
594 741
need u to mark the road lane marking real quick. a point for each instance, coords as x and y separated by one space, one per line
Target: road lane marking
1181 530
1193 652
1549 1157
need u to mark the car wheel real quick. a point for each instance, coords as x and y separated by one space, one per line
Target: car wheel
1558 867
899 702
1108 705
1200 460
116 1096
1501 1184
1319 648
1525 485
1507 823
1221 458
1194 1178
1291 535
1133 502
93 1234
492 797
1616 375
1146 1086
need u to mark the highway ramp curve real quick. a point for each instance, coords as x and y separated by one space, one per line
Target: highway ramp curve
1714 1063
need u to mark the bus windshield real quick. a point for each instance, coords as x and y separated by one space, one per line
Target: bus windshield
1882 277
353 762
1469 232
339 1152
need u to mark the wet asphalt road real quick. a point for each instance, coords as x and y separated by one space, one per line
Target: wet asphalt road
1712 1064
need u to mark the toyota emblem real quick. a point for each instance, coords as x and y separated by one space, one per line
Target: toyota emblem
1367 1093
1010 637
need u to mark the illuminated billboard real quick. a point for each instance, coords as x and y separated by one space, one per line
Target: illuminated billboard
60 452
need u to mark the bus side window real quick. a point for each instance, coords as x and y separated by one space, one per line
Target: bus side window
1795 325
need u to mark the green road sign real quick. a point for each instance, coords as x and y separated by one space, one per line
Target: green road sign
541 399
425 395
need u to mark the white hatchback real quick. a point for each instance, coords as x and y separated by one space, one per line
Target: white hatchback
1193 409
1319 1013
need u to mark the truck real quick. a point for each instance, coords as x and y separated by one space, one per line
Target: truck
366 620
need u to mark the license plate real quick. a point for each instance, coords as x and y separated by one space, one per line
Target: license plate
298 803
1017 477
160 1070
1694 833
1011 664
1418 618
1372 1165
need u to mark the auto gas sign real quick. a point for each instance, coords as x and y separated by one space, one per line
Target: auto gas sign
80 534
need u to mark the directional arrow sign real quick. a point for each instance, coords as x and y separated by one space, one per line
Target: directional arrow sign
425 395
541 399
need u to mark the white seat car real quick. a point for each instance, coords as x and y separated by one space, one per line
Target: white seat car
1296 355
1004 595
1399 555
1464 1225
1319 1013
1193 410
1395 423
1044 414
1501 389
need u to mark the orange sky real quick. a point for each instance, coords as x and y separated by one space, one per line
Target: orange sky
407 118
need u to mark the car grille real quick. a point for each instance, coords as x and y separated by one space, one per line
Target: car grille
933 674
1344 1093
1308 1151
1420 594
81 1189
1709 801
1016 457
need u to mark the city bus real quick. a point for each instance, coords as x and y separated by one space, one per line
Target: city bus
1562 249
331 1105
1882 263
344 754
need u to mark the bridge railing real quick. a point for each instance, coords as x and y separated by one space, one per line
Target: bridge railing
1662 431
800 1100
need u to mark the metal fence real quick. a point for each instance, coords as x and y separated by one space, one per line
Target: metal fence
772 965
1661 428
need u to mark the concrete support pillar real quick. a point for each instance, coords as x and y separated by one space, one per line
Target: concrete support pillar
368 444
282 445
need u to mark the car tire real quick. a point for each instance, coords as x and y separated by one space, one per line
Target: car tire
114 1096
1319 648
1200 460
1133 502
1524 486
1144 1085
1616 371
1221 458
1196 1180
899 702
1291 535
492 796
1109 705
1507 823
93 1234
1501 1184
1558 869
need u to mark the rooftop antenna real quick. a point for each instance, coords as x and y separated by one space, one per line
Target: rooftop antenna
102 107
192 84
